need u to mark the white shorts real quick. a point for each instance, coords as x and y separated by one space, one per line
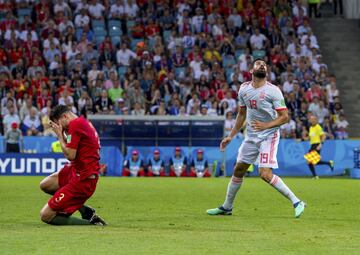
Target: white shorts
261 152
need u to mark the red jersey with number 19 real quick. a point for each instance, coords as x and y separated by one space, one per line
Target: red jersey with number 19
83 137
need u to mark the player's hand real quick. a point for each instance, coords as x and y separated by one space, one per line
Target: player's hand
56 128
259 126
318 147
225 142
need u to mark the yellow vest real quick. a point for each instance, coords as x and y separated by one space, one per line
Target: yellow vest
315 134
56 147
314 1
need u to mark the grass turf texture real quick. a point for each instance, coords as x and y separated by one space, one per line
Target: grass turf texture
167 216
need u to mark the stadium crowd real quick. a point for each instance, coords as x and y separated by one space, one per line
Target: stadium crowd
182 57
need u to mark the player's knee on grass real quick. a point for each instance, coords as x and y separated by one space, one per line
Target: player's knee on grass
47 214
266 174
240 169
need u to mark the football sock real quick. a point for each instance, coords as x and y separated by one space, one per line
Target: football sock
312 169
278 184
233 187
86 212
63 220
324 163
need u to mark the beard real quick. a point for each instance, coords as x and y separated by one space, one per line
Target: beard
261 74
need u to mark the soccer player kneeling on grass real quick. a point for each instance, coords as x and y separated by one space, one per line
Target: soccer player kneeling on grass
199 165
263 107
76 182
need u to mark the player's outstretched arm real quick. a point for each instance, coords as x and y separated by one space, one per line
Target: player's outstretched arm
283 117
239 122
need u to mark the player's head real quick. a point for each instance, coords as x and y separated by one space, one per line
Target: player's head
259 69
178 151
135 155
200 154
61 115
156 154
313 120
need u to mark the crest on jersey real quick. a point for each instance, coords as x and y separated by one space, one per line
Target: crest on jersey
262 95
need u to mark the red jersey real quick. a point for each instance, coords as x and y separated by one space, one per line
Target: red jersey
83 137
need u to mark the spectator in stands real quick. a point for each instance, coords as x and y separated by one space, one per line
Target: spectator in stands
258 41
134 166
125 55
104 105
10 118
156 165
178 164
229 123
31 124
199 165
201 42
96 10
288 130
13 138
341 126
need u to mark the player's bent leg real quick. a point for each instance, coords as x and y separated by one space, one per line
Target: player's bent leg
207 174
232 189
183 174
50 184
192 174
47 214
172 173
141 173
275 181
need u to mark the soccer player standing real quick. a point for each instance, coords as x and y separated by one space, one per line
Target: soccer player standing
263 107
76 182
317 138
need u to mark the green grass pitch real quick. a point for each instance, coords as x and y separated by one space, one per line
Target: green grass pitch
167 216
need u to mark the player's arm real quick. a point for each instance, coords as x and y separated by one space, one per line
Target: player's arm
184 164
69 153
150 166
239 122
192 166
283 117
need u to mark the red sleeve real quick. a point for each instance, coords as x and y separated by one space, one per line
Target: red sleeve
74 135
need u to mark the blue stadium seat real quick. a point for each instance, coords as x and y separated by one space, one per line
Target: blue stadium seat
24 12
115 31
97 23
100 32
114 23
122 70
166 35
78 33
228 72
228 61
258 53
99 39
115 40
179 71
130 24
238 53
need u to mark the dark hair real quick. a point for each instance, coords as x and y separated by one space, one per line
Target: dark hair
58 111
258 59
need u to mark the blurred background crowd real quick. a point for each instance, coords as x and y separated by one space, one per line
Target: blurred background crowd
159 57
